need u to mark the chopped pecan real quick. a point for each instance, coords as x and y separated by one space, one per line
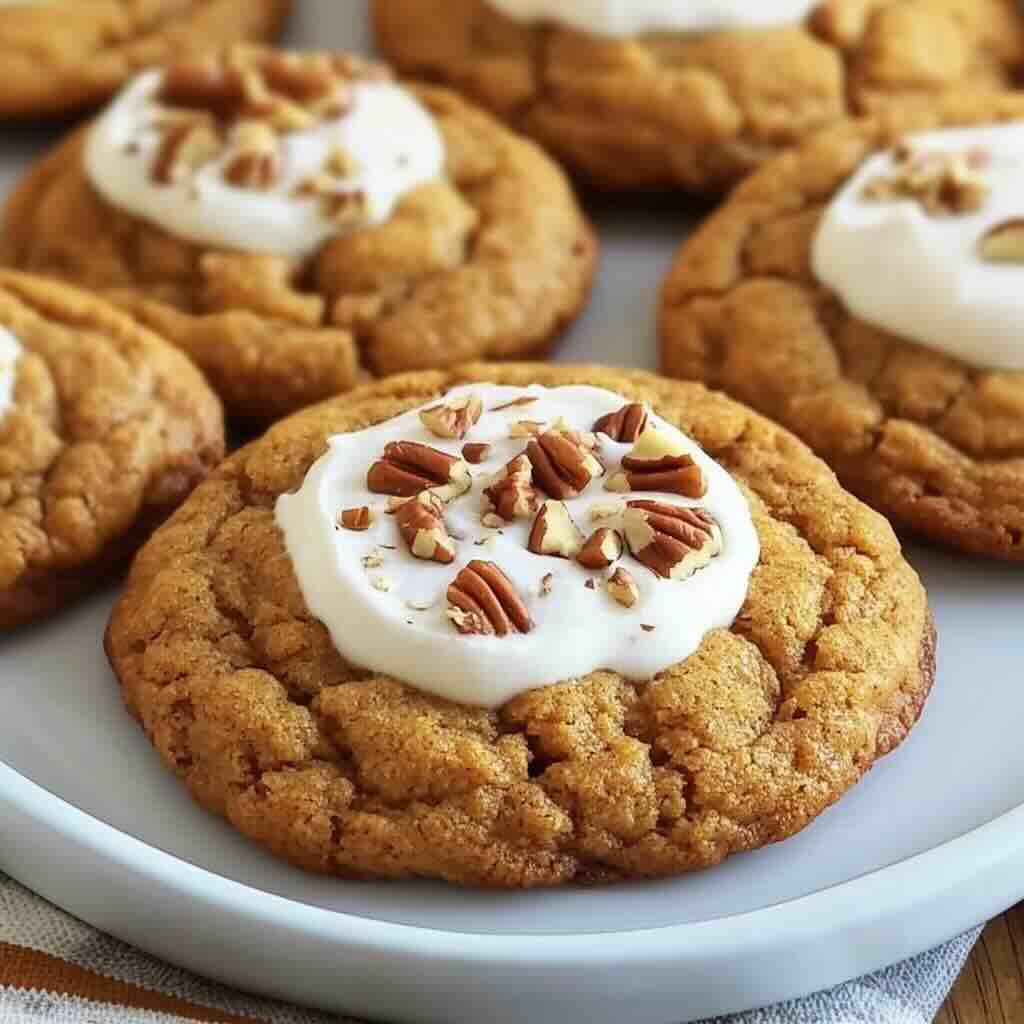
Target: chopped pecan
563 461
408 467
1003 243
554 532
255 162
421 524
511 493
624 426
483 602
672 542
659 463
187 144
622 588
453 419
526 428
474 454
602 549
944 183
516 403
358 519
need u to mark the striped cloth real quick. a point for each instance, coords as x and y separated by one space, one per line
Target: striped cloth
57 970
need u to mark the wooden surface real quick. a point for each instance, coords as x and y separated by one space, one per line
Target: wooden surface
991 989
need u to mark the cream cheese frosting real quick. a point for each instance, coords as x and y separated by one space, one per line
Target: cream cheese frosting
10 350
391 141
923 274
387 611
622 18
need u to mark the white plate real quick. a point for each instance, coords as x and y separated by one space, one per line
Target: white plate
929 844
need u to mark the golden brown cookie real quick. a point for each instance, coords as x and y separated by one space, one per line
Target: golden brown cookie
105 431
699 111
59 56
492 259
935 444
342 772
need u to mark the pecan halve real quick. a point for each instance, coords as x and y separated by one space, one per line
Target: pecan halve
511 493
624 426
408 467
453 419
602 549
554 532
659 463
672 542
482 601
563 462
421 524
204 83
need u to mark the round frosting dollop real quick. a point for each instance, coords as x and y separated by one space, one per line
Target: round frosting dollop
10 350
388 611
391 144
622 18
947 278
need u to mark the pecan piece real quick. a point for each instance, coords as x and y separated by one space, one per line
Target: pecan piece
474 454
1003 243
511 493
187 144
944 183
255 162
421 524
453 419
602 549
483 601
622 588
358 519
554 532
624 426
563 461
204 83
672 542
408 467
659 463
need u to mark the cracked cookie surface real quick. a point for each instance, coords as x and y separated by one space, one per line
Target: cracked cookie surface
60 56
595 780
700 111
491 261
108 431
935 444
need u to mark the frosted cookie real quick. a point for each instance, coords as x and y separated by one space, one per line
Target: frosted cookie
104 429
520 626
297 222
634 94
866 293
59 56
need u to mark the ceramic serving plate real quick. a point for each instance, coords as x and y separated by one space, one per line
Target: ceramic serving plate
929 844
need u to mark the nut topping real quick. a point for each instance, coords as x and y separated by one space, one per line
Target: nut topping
658 463
526 428
474 454
516 403
483 602
622 588
453 419
563 462
256 160
672 542
408 468
421 524
188 143
943 183
554 532
624 426
602 549
511 493
1004 243
358 519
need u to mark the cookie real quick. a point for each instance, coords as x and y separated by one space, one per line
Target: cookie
850 292
736 660
60 56
663 95
250 208
104 429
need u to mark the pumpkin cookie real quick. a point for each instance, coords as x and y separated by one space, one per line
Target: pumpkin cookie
865 292
520 625
656 94
60 56
103 431
297 222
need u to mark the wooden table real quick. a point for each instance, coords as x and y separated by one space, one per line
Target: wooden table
991 989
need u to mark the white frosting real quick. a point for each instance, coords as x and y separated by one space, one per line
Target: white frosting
9 352
393 142
632 17
920 276
577 630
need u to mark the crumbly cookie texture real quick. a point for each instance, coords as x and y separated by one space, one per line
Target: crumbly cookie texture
594 780
493 260
61 57
936 445
109 430
700 111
